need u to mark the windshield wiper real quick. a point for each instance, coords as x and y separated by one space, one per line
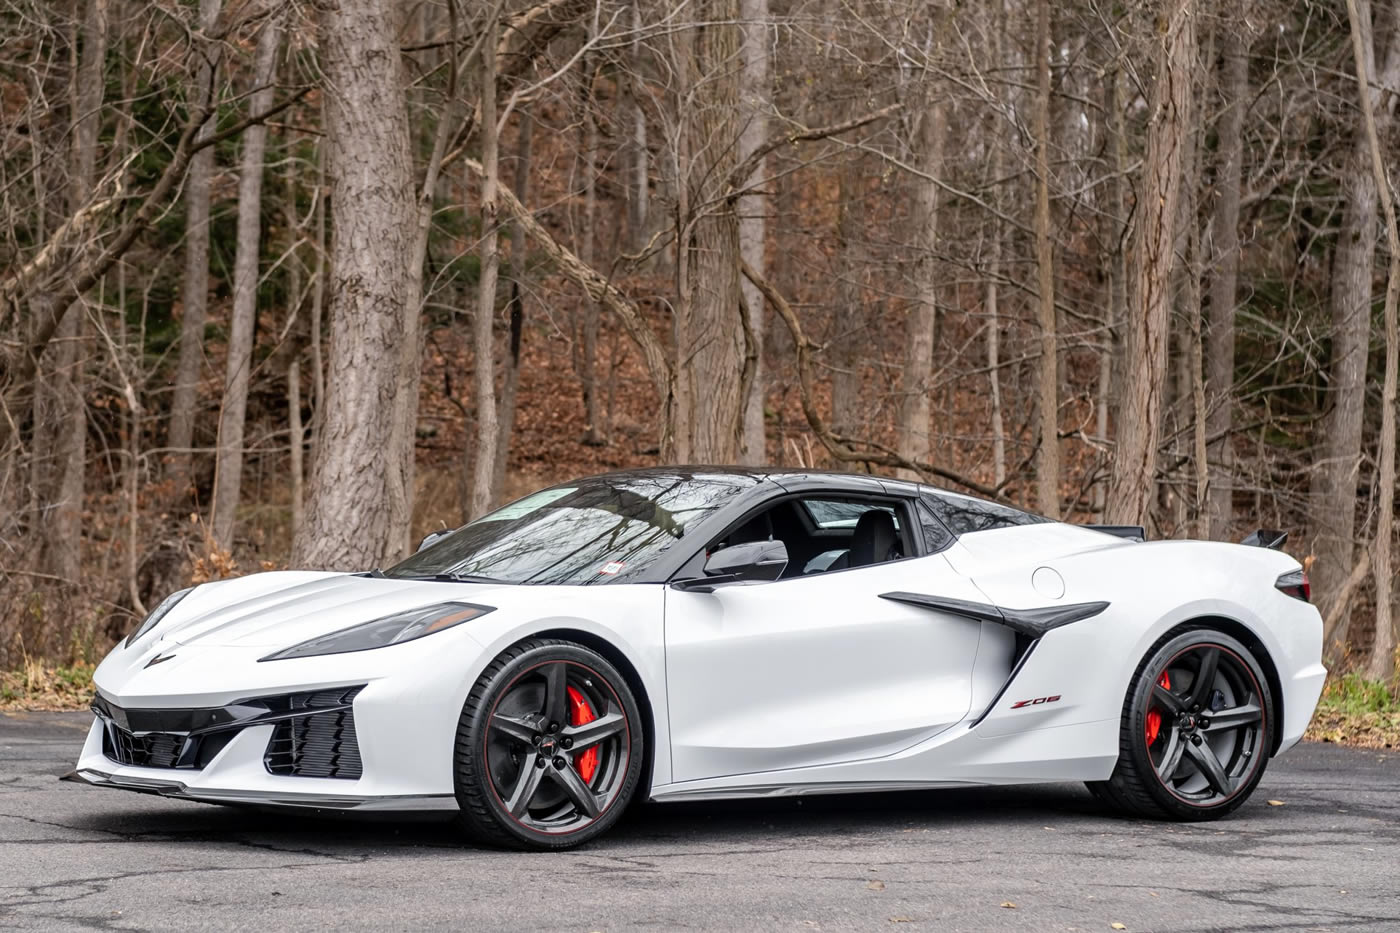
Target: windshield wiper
452 578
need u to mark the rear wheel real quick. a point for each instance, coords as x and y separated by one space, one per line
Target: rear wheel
1195 735
549 747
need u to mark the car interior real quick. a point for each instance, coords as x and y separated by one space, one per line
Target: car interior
827 533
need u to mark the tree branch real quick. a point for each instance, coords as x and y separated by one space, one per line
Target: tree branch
598 288
842 447
15 291
738 178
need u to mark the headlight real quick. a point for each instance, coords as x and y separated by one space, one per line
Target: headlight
390 630
154 618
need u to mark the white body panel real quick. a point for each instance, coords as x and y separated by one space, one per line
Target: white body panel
797 686
813 671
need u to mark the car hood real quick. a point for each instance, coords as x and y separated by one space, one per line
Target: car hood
277 610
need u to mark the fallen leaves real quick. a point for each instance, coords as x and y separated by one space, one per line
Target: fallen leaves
1361 729
1275 803
875 885
1116 926
1008 905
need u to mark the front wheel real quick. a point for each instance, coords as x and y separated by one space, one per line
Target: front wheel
549 747
1195 735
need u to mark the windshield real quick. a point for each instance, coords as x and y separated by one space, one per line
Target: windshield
602 530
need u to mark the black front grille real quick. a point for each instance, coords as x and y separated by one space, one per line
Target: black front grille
313 733
155 750
317 744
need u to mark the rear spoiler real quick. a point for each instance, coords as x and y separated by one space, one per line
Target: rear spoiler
1127 532
1267 537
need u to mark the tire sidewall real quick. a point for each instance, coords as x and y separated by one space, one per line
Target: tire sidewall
476 781
1137 714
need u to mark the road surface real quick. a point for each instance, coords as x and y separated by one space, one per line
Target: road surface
1328 858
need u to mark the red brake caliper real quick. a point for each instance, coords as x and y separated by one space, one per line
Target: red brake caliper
580 713
1154 718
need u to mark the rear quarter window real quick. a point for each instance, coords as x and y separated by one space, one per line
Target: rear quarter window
964 514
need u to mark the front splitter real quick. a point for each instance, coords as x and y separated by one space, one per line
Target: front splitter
338 802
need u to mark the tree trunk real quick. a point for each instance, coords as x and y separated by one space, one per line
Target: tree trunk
996 140
635 125
228 466
1047 399
1225 262
1334 487
63 528
915 405
510 381
296 439
756 99
1133 482
483 342
847 332
1381 664
994 358
194 288
585 347
1114 258
359 507
711 350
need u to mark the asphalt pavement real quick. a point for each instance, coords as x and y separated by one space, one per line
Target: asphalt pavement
1039 858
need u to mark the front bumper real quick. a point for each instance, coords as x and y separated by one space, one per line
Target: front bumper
214 724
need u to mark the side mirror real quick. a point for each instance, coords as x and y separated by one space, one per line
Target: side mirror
434 537
754 560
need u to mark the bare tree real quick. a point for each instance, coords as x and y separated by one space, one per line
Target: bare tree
710 346
1381 664
63 421
228 465
194 288
1134 477
916 404
1220 368
1336 480
357 510
756 100
483 342
1047 399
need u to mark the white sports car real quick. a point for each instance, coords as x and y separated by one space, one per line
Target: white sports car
700 633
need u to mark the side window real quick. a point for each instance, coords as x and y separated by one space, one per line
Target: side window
849 533
828 514
936 534
964 514
827 533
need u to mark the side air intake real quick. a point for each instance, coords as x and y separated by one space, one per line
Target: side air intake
321 741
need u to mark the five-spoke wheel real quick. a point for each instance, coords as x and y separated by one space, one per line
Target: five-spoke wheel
1196 733
549 747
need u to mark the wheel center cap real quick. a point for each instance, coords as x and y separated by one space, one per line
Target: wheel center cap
547 745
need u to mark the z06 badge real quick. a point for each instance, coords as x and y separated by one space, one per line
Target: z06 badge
1036 702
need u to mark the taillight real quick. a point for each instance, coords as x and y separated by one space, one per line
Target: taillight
1295 584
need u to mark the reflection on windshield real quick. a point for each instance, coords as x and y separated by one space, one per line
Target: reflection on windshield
601 530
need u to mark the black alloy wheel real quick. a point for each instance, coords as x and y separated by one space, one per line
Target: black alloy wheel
1196 731
549 747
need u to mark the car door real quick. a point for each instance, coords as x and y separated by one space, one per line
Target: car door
815 669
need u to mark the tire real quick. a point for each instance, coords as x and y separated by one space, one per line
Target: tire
1191 749
549 748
